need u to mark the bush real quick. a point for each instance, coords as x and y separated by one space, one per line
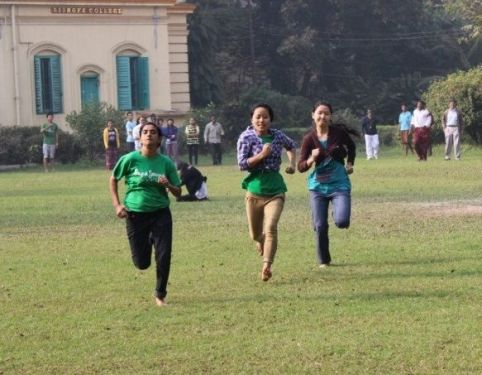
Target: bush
89 125
388 135
290 112
466 88
23 144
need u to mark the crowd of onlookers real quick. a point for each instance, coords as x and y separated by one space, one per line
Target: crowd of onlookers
213 133
416 127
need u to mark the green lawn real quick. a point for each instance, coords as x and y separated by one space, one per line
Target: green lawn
404 295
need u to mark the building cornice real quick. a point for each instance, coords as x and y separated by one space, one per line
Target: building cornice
173 6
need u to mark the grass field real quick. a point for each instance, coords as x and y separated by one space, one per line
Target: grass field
404 295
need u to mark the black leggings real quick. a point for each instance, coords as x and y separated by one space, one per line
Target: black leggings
193 153
145 229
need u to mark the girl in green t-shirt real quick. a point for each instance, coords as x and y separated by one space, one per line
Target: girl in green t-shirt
148 176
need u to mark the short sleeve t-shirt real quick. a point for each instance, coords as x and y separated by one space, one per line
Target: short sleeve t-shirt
144 194
50 133
404 120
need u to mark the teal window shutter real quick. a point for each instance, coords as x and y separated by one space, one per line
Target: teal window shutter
56 84
48 84
143 82
39 104
124 94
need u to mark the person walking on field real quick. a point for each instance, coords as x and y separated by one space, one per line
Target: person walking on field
404 120
369 129
212 137
452 122
421 124
112 144
50 132
259 150
149 176
192 140
325 148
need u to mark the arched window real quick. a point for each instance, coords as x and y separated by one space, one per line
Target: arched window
48 82
89 87
132 81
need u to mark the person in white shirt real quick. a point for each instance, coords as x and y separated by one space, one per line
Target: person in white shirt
212 137
136 133
452 122
130 125
421 123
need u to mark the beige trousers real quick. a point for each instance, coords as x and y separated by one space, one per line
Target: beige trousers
263 216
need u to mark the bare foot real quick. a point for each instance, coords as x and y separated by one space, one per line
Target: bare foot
161 302
266 274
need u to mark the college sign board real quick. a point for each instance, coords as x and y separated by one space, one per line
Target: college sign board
86 10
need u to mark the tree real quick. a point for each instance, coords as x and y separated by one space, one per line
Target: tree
374 53
89 124
466 88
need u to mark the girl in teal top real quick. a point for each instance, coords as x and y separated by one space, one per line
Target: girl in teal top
325 149
329 176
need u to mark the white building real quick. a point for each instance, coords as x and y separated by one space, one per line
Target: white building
57 55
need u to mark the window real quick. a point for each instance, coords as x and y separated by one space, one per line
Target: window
132 82
48 84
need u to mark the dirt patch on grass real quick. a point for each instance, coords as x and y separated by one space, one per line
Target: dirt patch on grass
450 208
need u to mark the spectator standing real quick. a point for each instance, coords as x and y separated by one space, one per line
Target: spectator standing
111 144
161 125
369 129
136 133
192 140
130 125
422 121
404 120
50 132
452 122
170 133
212 137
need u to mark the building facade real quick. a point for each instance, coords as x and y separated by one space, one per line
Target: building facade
56 56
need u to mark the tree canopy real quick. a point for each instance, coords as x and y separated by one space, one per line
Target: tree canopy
356 54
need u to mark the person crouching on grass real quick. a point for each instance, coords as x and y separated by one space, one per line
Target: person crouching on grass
259 152
148 178
197 189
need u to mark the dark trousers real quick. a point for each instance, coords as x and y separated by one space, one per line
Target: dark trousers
193 153
145 229
216 153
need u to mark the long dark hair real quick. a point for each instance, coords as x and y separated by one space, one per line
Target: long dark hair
342 126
